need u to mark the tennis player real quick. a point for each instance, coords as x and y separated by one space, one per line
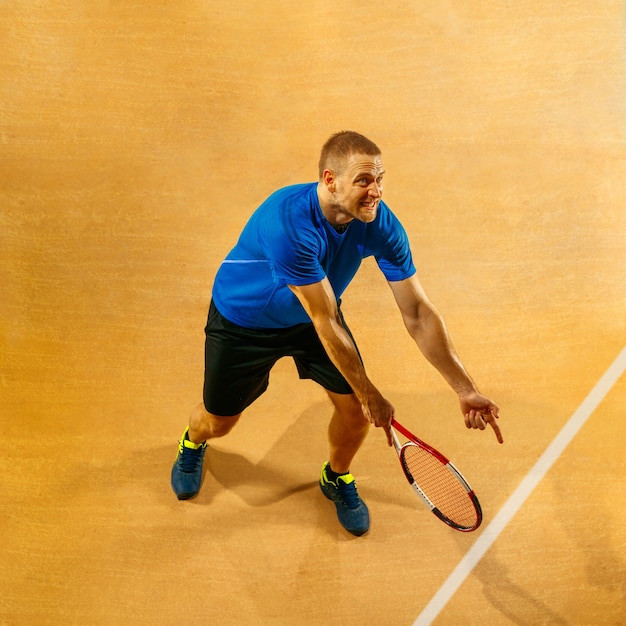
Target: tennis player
278 293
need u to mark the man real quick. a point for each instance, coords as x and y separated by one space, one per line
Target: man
278 293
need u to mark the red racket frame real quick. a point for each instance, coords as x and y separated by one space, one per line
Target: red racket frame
413 440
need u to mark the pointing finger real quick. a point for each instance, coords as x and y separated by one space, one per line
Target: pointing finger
491 420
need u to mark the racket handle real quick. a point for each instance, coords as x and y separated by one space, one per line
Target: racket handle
396 442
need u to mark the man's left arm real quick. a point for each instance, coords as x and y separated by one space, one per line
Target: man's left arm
427 328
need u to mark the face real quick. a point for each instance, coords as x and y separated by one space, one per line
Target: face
357 190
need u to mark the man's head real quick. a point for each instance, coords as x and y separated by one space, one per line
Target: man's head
351 173
340 146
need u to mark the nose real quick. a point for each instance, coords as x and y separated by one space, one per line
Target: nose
375 189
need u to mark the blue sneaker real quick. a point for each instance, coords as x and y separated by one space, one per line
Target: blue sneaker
187 469
351 510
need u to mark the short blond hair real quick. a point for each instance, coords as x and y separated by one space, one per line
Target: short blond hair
340 146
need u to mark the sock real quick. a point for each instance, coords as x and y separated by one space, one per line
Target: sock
190 444
332 475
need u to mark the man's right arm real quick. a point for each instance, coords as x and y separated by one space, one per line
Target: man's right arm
319 301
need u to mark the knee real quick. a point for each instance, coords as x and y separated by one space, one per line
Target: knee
350 411
356 414
205 425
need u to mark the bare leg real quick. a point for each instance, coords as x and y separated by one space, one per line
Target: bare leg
204 425
346 432
187 469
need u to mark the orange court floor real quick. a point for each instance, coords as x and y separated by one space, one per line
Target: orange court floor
135 140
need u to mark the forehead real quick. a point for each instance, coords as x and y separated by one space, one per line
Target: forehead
364 163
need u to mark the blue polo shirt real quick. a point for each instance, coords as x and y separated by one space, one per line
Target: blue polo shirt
288 241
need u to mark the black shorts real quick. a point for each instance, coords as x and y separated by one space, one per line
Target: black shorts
238 361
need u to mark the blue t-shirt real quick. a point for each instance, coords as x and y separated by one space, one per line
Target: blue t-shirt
288 241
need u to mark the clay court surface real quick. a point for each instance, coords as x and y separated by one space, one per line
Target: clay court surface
135 140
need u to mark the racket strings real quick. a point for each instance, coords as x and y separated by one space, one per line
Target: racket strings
440 485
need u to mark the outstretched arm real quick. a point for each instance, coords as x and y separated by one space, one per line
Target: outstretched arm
319 301
428 330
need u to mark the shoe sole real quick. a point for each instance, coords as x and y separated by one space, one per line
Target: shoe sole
186 496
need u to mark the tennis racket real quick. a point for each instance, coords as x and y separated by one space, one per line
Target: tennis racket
439 484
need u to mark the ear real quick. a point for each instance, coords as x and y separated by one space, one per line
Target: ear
328 176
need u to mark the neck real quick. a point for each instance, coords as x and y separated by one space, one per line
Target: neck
335 215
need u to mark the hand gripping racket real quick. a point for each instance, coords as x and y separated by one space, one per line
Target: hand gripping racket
437 482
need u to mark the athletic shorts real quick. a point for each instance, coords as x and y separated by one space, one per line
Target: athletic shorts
238 361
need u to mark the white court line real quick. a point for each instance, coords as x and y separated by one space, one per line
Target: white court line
519 496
